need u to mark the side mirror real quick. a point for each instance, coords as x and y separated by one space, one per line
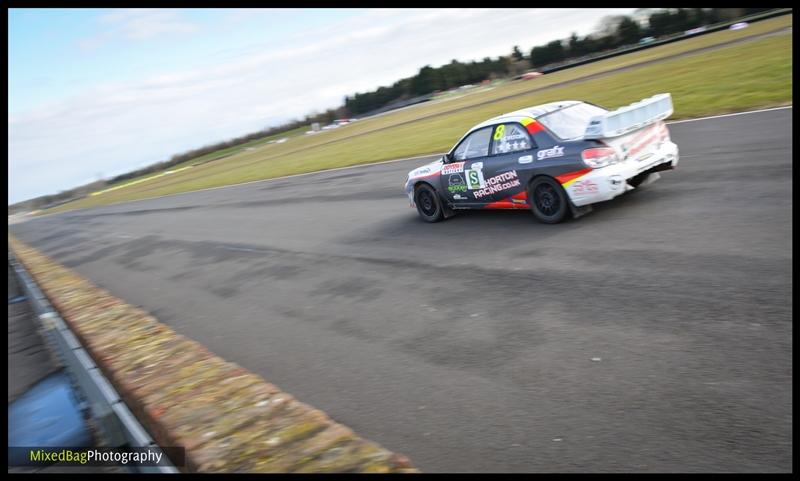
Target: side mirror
446 158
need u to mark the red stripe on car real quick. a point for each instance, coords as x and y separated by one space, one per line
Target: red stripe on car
504 204
534 127
426 176
564 178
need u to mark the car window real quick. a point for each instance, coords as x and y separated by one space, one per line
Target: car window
510 137
475 145
570 123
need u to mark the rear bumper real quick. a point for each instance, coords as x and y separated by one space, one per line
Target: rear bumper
605 183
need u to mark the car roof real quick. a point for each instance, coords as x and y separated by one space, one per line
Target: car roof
526 113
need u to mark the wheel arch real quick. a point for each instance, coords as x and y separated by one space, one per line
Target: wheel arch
418 183
540 175
446 206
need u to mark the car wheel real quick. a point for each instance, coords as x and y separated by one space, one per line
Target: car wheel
548 200
428 203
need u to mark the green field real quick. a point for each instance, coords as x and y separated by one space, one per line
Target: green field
751 74
227 152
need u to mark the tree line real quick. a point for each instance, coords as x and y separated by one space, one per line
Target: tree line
428 80
622 30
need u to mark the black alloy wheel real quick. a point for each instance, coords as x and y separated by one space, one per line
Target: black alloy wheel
428 203
548 200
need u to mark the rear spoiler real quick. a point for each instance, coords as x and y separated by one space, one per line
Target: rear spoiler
630 118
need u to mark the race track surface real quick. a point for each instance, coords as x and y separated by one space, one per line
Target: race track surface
654 334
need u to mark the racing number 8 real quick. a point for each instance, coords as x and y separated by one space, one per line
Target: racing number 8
498 133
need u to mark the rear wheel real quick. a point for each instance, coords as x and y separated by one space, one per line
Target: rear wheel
548 200
429 206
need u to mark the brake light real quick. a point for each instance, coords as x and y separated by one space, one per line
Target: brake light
599 157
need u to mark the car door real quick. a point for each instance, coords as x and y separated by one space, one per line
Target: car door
462 174
507 169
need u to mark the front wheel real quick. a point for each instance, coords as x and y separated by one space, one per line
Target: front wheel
548 200
428 203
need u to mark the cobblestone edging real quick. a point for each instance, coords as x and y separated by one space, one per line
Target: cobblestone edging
227 418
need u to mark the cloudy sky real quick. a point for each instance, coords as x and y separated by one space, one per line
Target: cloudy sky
102 92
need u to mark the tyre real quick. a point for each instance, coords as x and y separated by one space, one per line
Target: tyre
428 203
549 203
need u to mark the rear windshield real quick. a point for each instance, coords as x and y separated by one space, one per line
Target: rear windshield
570 122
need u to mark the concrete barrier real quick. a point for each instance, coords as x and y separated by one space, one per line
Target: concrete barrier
227 418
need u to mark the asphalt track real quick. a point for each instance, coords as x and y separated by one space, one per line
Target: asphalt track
654 334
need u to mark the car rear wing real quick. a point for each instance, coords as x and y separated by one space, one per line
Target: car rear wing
632 117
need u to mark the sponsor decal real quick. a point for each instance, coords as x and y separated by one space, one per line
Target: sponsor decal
525 159
556 151
425 171
645 143
453 168
584 187
475 176
459 197
643 133
455 183
498 183
640 140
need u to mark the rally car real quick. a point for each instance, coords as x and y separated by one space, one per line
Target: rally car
555 159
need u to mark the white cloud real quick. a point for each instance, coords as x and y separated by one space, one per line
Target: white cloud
138 24
115 128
